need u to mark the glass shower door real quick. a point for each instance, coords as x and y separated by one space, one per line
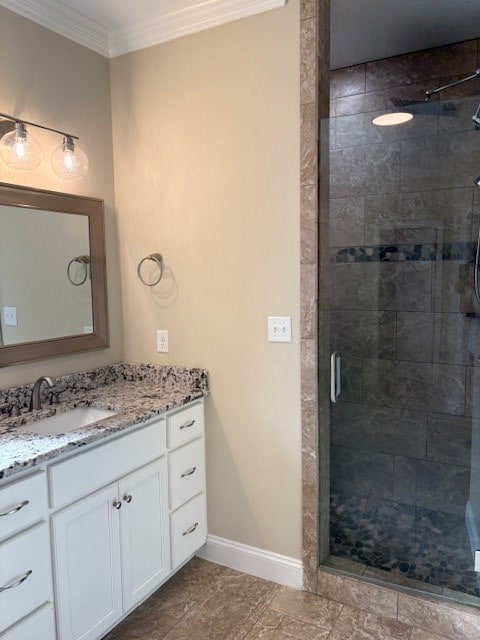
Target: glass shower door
405 321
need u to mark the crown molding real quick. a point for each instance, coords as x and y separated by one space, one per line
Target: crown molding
65 21
160 26
165 24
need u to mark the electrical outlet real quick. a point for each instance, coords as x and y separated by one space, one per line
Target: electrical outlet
279 329
162 341
10 316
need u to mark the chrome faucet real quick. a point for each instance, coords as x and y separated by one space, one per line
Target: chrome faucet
35 399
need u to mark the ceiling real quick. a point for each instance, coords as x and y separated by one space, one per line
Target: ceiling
364 30
113 27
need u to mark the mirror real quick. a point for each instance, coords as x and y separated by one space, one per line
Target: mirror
52 274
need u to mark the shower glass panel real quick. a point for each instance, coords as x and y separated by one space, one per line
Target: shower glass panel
397 264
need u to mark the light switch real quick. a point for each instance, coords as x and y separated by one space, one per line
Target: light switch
10 316
279 329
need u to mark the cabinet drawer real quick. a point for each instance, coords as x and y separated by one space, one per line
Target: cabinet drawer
40 625
85 473
188 529
187 472
22 503
25 564
185 425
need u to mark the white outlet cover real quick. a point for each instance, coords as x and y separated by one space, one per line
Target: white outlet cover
10 316
162 341
279 328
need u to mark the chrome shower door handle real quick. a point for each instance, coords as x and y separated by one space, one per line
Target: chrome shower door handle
335 375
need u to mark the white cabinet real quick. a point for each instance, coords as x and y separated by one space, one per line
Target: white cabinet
40 625
111 550
87 566
124 516
25 558
145 556
22 503
25 574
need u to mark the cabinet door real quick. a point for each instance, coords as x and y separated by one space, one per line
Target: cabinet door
87 566
144 531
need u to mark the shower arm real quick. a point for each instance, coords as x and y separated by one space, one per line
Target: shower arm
452 84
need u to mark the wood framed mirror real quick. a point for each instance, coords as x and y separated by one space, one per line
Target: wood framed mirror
53 293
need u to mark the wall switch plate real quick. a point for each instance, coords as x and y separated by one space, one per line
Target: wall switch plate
10 316
279 329
162 341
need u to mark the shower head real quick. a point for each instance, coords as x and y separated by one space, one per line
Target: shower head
477 182
426 107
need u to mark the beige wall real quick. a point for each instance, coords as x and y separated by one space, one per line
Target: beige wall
53 81
206 151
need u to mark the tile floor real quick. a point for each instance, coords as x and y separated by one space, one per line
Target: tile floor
205 601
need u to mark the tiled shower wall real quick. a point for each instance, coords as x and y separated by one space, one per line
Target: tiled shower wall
404 216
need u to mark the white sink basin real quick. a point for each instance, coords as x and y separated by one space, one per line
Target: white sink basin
65 422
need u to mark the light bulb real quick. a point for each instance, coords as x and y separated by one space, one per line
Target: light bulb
19 149
392 119
69 161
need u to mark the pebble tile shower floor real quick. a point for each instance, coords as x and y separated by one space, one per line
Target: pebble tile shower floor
404 541
205 601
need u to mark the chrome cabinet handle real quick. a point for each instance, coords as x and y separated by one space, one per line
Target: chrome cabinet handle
335 377
128 498
188 424
117 504
190 530
16 509
17 583
189 472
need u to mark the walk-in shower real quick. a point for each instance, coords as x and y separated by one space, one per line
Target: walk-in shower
404 322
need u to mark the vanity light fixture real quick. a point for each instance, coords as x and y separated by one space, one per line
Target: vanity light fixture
69 160
392 119
20 150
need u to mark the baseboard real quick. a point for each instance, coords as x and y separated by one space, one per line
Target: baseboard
256 562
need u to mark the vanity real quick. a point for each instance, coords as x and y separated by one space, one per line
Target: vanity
95 519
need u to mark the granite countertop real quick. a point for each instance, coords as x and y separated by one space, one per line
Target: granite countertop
136 393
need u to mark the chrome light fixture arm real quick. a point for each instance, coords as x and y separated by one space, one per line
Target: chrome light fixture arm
20 150
38 126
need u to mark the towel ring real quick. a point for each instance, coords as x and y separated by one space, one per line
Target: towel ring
157 258
84 261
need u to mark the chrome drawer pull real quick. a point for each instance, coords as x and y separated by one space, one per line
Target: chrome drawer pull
128 498
15 509
191 530
18 582
190 472
117 504
188 424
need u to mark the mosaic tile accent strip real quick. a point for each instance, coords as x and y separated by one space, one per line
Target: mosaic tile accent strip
406 253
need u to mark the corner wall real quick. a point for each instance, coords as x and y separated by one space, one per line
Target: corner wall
206 148
48 79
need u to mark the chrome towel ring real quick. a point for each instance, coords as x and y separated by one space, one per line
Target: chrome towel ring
85 262
157 258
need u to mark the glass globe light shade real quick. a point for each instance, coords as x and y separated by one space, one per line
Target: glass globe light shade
69 161
19 149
